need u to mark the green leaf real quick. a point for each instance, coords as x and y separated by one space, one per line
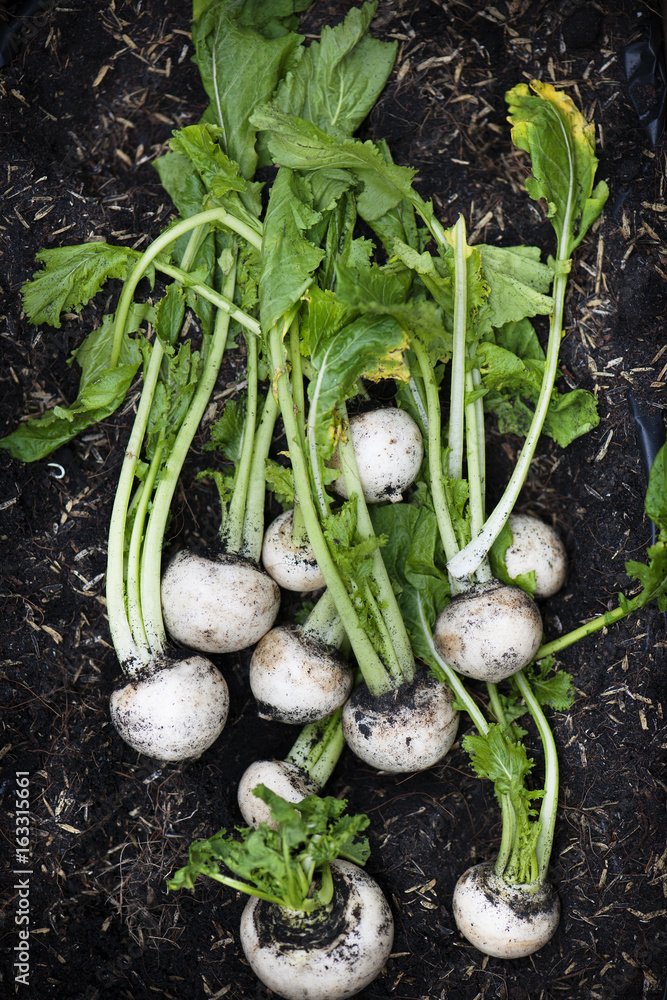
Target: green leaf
72 276
561 144
656 494
290 258
101 390
243 50
280 482
285 860
300 145
337 80
517 282
226 432
414 559
370 347
513 386
200 145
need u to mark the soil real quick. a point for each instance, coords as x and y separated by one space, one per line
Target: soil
90 98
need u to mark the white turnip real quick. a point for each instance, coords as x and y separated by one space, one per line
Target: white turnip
490 632
297 679
388 448
174 712
290 560
217 605
319 927
288 780
506 921
408 729
537 547
326 955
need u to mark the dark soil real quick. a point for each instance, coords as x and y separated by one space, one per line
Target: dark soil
88 101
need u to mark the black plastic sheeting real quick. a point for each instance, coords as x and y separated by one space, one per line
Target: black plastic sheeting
644 65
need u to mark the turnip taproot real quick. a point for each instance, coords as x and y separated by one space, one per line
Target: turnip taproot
489 632
345 948
408 729
503 920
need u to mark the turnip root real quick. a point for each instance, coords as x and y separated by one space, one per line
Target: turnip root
288 780
389 450
292 564
330 954
490 632
175 711
537 546
506 921
296 678
407 730
217 605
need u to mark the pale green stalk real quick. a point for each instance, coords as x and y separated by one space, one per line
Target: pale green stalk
377 679
213 216
151 606
132 653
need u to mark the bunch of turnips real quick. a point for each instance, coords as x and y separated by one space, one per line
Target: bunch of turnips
421 605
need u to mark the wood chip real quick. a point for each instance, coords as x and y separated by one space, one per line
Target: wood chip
101 73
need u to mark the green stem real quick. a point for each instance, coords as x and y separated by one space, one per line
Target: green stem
152 549
323 623
145 490
597 624
318 747
232 536
549 804
218 299
458 363
216 215
132 651
253 524
249 890
496 704
399 648
434 443
469 558
375 675
325 895
507 837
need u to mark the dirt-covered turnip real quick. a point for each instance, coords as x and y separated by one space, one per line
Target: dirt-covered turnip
506 921
290 562
297 679
330 954
389 449
318 927
490 632
175 711
217 605
537 546
408 729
